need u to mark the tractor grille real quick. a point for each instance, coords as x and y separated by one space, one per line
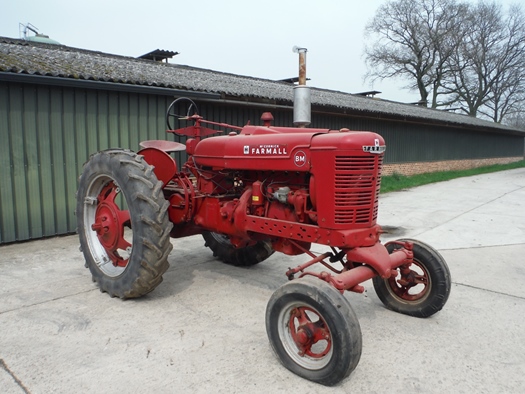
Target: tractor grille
357 183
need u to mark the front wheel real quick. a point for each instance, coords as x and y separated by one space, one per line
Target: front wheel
419 289
314 331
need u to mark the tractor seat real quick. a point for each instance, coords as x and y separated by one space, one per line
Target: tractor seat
163 145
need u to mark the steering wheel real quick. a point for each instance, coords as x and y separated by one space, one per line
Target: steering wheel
170 113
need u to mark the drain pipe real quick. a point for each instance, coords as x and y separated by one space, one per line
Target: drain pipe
301 94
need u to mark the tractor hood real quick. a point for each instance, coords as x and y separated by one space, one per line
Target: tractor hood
276 148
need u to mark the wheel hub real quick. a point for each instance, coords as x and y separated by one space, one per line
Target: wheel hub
109 225
311 338
411 285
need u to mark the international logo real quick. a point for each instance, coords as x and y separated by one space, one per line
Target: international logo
376 148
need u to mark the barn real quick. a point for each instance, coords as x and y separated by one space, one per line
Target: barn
60 104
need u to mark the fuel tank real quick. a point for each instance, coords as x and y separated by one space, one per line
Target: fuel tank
276 148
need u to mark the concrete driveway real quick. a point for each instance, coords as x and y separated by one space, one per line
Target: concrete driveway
202 330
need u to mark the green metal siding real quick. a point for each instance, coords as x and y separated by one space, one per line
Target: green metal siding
48 132
410 142
7 205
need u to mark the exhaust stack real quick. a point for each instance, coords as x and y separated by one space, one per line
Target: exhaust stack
301 93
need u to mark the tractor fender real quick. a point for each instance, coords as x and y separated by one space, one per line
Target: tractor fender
165 167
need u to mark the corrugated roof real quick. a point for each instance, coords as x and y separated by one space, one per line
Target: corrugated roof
20 56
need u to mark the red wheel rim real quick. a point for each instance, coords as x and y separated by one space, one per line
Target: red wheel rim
312 338
109 224
412 282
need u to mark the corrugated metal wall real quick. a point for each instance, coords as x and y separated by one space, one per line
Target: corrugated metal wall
48 132
410 142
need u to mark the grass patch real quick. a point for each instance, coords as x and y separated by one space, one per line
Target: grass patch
396 181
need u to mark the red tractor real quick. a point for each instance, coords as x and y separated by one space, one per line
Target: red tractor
254 191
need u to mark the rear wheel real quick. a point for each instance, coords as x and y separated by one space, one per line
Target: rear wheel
419 289
123 223
223 249
314 331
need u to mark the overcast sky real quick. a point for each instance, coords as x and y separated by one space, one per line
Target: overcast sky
253 38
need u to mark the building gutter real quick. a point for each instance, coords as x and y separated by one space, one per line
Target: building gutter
101 85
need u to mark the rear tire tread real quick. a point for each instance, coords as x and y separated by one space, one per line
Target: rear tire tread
148 212
240 257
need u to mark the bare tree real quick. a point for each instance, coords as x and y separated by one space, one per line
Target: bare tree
516 120
452 53
506 96
507 91
487 66
413 42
